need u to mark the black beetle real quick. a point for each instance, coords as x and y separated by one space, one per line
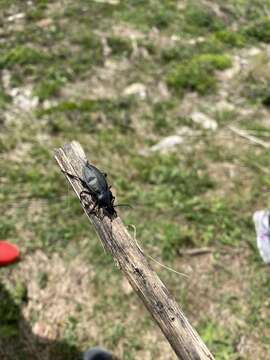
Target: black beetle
95 183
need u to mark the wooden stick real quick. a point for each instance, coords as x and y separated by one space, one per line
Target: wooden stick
130 259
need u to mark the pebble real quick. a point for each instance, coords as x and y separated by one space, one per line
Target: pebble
167 143
204 121
136 89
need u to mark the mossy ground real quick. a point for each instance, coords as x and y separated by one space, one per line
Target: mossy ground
66 68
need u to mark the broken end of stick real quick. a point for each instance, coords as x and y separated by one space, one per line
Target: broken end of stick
69 148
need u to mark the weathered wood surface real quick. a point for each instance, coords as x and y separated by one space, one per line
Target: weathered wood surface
184 340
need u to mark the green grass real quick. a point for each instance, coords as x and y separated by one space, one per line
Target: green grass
200 19
84 113
154 14
219 339
259 30
165 118
4 98
231 38
202 193
198 74
119 46
49 87
256 81
23 55
10 315
7 228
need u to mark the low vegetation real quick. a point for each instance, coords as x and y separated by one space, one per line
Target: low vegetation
119 78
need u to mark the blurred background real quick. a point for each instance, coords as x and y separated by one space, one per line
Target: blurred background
158 93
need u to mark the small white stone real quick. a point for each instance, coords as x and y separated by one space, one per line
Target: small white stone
254 51
167 143
14 92
200 39
16 17
136 89
185 130
22 98
197 40
47 104
175 38
25 102
27 92
192 41
111 2
204 121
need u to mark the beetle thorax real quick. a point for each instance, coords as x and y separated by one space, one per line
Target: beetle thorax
104 198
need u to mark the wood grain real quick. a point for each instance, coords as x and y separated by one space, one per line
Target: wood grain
115 238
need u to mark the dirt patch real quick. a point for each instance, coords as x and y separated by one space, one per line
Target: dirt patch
127 31
222 286
20 152
55 291
106 83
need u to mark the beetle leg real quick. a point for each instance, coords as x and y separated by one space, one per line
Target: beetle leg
85 192
92 211
84 201
84 184
87 205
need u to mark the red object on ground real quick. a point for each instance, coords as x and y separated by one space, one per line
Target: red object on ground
9 253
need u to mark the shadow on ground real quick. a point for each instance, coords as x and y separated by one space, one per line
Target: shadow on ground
17 341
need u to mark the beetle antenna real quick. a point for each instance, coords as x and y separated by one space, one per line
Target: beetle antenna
123 205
